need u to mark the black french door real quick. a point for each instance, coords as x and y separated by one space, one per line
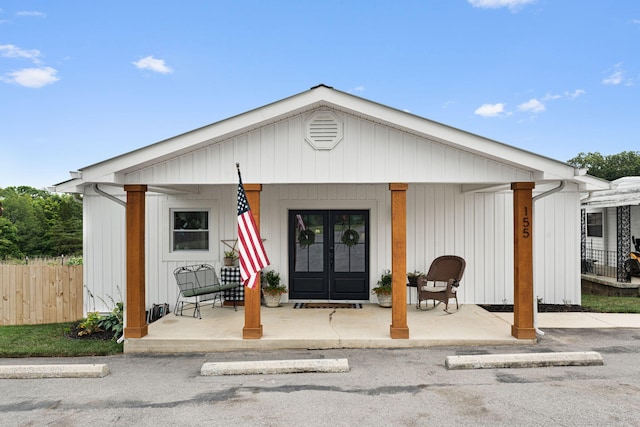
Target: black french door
329 254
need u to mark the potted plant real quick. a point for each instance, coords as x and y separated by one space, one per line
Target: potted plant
412 277
383 290
272 290
229 257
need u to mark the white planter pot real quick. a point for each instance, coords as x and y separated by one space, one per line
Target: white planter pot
272 300
384 300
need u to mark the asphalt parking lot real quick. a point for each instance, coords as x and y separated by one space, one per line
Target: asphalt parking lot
381 387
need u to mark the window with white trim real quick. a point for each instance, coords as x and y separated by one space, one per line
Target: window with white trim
190 230
594 224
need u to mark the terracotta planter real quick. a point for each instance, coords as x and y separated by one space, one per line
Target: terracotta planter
228 262
384 300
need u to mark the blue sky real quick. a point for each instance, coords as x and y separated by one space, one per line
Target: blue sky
84 81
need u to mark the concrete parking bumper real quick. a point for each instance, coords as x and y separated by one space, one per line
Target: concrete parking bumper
525 360
275 367
53 371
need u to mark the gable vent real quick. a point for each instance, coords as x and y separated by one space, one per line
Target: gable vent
323 130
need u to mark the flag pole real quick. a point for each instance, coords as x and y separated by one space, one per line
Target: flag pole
252 257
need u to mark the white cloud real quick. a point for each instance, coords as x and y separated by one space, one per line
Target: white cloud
31 13
576 93
532 105
152 64
27 77
550 97
12 51
617 77
565 95
491 110
32 77
356 89
496 4
614 79
448 104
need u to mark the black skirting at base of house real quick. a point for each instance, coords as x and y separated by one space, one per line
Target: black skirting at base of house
542 308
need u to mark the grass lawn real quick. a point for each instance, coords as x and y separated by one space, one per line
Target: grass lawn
604 304
50 341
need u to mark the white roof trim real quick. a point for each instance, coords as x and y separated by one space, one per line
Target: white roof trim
624 191
113 170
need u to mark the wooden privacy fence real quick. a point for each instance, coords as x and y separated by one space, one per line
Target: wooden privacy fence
38 294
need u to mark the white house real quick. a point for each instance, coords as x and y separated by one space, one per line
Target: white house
413 189
611 220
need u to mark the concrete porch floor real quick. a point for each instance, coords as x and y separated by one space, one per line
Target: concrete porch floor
284 327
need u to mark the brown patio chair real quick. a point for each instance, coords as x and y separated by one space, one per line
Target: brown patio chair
441 281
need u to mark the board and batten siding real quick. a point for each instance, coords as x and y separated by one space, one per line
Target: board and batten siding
557 248
104 254
441 220
368 153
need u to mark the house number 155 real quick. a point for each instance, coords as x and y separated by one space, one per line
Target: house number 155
525 223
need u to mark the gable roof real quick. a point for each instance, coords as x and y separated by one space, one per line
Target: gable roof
115 170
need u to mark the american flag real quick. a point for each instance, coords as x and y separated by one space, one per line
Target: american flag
253 258
301 226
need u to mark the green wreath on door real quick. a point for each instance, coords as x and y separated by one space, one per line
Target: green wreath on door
350 237
306 238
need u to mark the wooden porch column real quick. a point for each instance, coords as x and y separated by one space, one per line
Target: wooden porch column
399 328
523 327
252 327
135 303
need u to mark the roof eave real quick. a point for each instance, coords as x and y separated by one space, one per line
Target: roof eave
113 171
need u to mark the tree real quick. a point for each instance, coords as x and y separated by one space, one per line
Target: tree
8 246
65 225
38 223
24 213
609 167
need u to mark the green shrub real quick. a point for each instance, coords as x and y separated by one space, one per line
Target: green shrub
114 320
90 324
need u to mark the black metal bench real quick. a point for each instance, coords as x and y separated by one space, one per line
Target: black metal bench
199 283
